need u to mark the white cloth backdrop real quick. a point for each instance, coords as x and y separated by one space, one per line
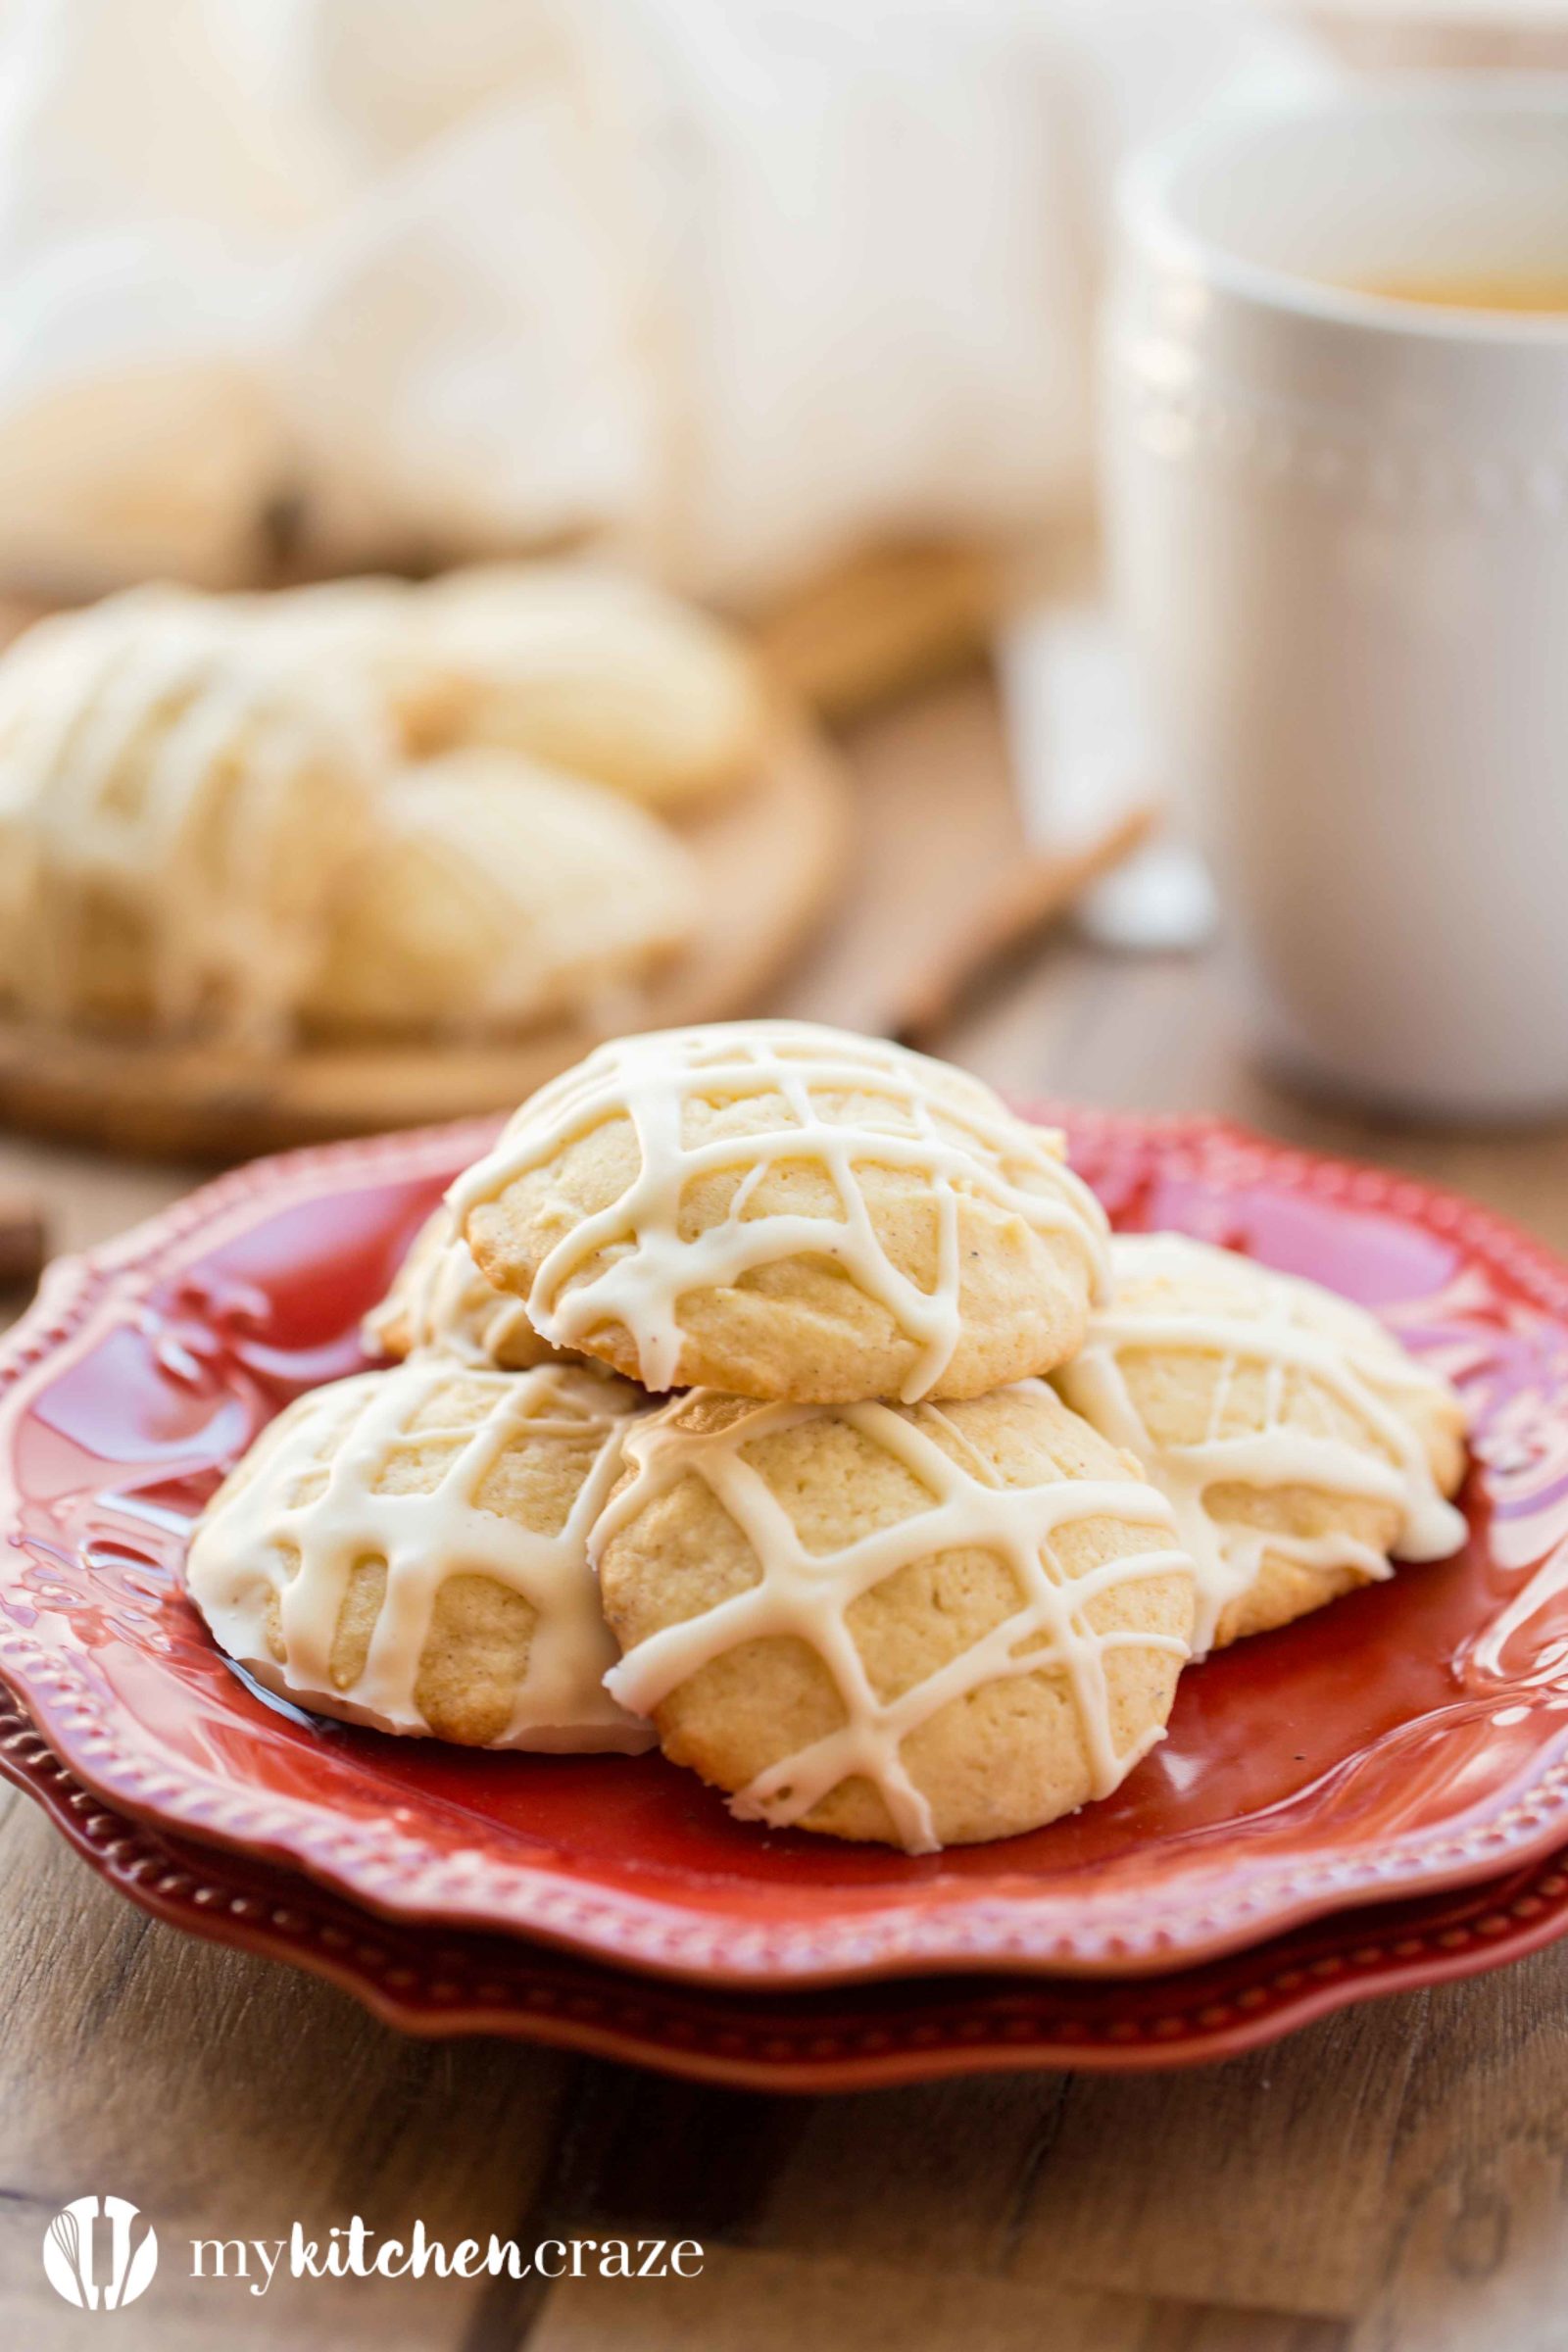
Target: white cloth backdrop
737 284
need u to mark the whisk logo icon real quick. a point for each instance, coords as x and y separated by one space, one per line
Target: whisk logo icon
99 2253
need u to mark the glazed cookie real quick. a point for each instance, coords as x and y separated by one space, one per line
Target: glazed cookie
1298 1442
588 671
925 1625
175 812
787 1211
362 622
408 1549
496 895
440 1300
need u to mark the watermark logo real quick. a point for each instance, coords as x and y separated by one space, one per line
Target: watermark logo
99 2253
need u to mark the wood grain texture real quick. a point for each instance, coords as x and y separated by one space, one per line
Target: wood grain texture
1390 2180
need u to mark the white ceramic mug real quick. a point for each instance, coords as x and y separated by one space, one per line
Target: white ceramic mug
1340 533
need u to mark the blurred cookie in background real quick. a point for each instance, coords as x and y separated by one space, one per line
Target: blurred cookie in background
494 893
176 811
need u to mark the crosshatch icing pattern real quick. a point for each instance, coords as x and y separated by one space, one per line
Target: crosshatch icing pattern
746 1103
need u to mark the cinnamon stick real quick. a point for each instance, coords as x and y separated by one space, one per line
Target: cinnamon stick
1023 903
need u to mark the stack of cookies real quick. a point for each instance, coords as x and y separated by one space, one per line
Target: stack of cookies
363 812
775 1393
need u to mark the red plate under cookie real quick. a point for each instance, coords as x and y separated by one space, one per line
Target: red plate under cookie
430 1980
1411 1738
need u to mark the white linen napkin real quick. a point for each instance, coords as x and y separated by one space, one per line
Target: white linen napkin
734 284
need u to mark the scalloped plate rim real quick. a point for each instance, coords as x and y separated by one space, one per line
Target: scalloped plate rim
1412 1956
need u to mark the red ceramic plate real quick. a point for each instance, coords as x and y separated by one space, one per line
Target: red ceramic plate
1411 1737
428 1979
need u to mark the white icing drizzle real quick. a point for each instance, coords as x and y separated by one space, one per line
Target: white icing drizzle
650 1266
353 1430
148 763
806 1593
441 1302
1288 1326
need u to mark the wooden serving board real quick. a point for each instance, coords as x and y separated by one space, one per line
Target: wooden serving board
771 859
883 624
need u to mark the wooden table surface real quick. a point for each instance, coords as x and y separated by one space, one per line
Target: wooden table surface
1394 2176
